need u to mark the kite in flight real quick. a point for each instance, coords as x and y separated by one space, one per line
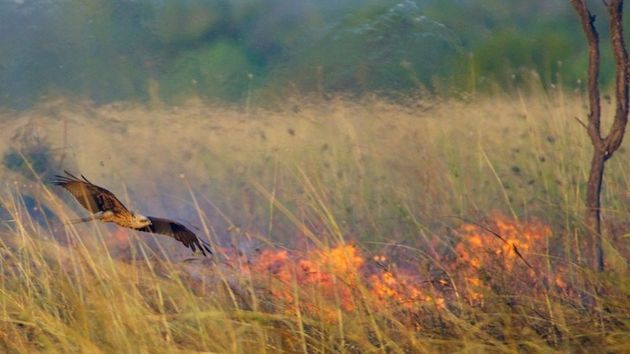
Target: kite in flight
105 207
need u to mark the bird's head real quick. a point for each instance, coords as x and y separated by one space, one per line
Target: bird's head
140 221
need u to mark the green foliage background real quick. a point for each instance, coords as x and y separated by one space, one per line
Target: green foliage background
232 50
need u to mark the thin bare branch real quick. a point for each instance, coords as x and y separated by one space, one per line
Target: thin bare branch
615 16
581 123
587 20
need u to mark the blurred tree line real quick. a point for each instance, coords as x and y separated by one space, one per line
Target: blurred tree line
236 50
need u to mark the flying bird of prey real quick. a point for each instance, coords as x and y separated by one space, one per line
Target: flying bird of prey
105 207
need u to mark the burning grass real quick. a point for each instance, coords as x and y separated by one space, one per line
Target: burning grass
480 296
332 226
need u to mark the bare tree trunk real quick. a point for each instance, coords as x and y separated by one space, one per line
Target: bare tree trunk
603 148
593 204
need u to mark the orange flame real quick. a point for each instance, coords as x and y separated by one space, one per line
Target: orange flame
399 289
324 283
330 279
480 248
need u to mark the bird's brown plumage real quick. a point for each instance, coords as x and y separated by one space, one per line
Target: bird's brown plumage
92 197
99 200
176 230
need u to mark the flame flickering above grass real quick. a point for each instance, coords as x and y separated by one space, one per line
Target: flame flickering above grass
399 290
321 277
499 246
322 280
479 245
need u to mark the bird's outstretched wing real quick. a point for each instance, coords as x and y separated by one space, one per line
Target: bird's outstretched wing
92 197
178 231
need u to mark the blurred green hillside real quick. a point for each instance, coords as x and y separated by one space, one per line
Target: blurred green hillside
242 51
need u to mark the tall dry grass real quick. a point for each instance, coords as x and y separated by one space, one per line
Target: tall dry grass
308 180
